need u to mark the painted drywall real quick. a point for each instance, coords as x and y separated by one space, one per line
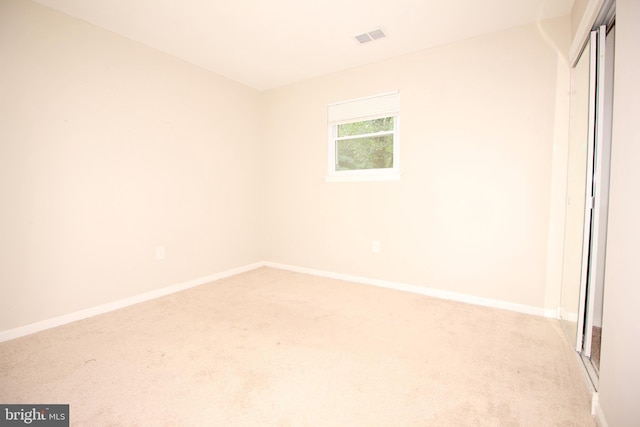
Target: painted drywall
558 37
471 211
620 351
109 149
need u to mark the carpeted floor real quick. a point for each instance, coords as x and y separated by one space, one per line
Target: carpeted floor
596 334
276 348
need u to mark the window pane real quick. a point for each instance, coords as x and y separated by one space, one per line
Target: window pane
368 126
365 153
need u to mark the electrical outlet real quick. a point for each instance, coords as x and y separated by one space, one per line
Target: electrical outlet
159 253
375 247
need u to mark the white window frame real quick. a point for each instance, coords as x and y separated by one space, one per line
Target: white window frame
357 110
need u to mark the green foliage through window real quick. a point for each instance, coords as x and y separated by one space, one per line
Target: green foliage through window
365 145
365 127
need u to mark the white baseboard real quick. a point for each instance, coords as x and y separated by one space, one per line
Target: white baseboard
594 403
599 415
596 410
569 317
437 293
105 308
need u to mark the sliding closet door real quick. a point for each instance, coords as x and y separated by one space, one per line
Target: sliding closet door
587 191
601 213
587 267
600 187
577 173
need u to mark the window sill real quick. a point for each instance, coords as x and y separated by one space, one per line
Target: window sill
362 178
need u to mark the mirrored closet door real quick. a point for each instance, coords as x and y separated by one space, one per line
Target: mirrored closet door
587 196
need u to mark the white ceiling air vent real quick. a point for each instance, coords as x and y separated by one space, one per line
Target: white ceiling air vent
371 36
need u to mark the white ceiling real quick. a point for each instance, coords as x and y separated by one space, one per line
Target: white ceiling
269 43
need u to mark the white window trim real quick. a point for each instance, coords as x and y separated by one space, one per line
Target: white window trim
386 174
363 178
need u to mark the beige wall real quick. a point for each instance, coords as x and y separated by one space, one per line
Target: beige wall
107 150
558 37
620 369
471 212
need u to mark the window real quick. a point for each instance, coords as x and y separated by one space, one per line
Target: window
363 139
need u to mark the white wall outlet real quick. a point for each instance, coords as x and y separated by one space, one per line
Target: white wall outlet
375 246
159 252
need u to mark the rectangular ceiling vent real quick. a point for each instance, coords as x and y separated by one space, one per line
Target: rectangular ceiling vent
371 36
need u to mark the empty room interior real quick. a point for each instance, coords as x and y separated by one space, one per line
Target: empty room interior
337 213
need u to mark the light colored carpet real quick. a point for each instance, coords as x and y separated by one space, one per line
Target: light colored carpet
276 348
596 337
